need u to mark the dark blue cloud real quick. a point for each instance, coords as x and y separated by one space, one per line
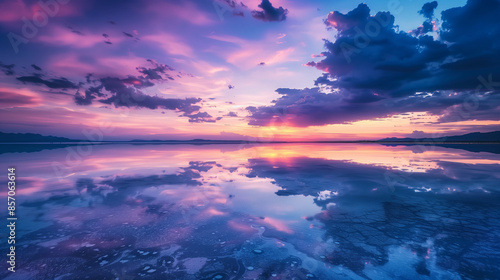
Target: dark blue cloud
7 69
369 54
345 22
428 9
90 94
124 92
270 13
231 114
56 83
429 24
202 117
377 71
312 107
128 96
156 72
127 93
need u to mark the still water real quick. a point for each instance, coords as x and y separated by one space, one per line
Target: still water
282 211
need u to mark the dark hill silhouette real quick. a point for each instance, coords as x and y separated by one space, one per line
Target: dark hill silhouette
470 137
30 137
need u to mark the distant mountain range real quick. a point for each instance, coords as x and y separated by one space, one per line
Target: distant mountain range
37 138
470 137
30 137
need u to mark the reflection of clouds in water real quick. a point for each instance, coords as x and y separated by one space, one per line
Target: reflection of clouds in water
327 213
372 226
326 194
318 177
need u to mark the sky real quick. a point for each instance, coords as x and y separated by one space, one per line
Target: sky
249 70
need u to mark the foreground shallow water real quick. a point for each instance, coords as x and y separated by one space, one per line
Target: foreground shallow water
283 211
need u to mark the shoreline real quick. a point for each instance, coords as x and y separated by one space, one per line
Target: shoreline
209 142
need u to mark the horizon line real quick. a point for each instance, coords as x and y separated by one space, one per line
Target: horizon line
206 141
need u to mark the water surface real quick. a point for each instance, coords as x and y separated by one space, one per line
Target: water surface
282 211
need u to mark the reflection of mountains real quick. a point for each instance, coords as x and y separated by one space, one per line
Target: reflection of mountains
29 148
475 148
472 142
448 217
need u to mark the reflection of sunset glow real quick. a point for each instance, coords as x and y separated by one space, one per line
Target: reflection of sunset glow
32 185
215 212
229 196
278 225
126 159
399 157
241 227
